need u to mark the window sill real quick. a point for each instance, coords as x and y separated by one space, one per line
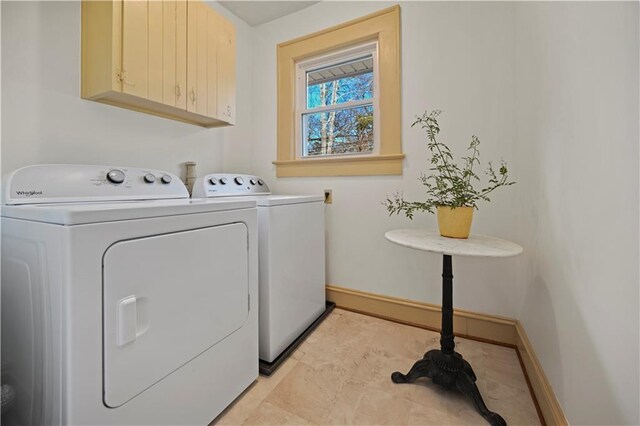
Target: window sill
341 166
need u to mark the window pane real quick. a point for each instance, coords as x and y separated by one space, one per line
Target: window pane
339 83
341 131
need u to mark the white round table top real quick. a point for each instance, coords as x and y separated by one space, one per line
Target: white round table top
431 240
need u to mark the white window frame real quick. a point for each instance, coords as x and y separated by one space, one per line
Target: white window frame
327 60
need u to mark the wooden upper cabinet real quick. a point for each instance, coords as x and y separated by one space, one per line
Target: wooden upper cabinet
173 58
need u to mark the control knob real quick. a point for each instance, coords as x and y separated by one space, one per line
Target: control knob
260 182
213 181
239 180
166 178
149 178
115 176
224 180
252 181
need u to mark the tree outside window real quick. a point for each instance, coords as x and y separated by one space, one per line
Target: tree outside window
338 117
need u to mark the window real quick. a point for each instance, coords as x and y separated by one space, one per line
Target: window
336 111
339 100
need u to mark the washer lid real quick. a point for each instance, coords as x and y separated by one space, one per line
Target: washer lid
272 200
80 213
281 200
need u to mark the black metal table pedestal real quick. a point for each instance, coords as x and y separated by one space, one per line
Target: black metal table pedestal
445 366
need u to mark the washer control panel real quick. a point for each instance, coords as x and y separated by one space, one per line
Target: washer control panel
65 183
228 184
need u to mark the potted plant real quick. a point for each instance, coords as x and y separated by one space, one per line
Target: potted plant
450 188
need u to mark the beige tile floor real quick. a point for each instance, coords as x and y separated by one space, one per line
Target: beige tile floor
341 375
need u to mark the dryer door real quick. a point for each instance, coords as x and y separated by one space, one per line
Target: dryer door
167 299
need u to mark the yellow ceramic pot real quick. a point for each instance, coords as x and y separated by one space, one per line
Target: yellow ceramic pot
455 222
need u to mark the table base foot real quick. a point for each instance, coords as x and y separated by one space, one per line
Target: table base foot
450 371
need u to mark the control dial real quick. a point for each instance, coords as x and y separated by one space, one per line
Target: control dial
260 182
166 178
224 180
149 178
213 181
115 176
252 181
239 180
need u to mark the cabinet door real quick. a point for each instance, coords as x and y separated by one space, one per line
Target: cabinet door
210 63
201 58
192 53
169 51
213 31
174 47
134 48
197 49
156 50
152 46
181 54
226 72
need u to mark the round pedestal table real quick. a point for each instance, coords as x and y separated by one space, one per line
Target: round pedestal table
445 366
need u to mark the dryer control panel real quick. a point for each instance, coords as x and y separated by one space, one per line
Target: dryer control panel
229 184
73 183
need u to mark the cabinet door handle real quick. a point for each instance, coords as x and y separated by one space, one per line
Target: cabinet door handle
178 91
193 96
122 77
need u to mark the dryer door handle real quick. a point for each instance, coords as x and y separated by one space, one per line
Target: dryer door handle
127 321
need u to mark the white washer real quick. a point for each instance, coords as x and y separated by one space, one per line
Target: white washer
123 301
291 256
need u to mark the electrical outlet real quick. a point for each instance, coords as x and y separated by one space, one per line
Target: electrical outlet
328 196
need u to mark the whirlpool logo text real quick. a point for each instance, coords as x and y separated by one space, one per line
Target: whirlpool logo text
28 193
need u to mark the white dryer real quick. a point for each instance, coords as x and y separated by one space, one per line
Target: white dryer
124 301
291 258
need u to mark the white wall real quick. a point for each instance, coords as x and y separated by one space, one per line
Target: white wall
46 121
577 91
458 57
